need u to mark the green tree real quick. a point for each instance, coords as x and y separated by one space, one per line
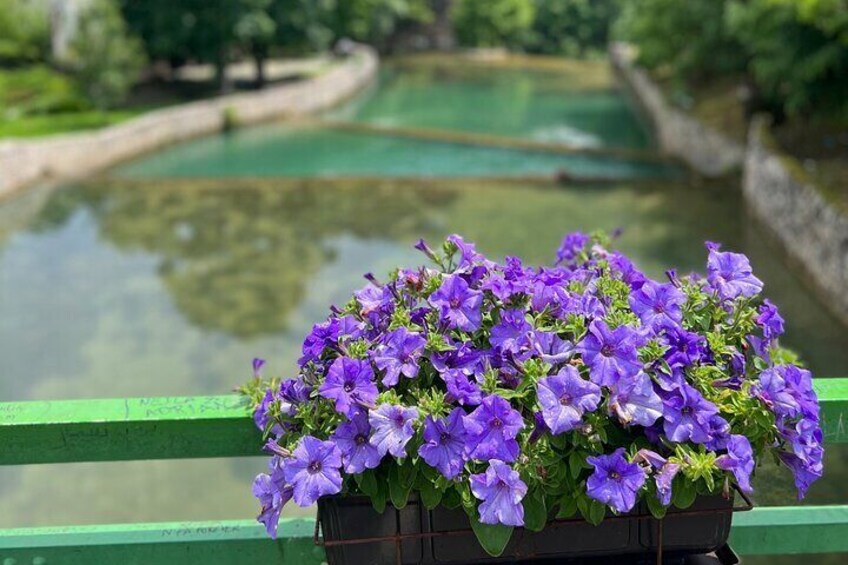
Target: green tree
105 56
571 27
255 31
304 25
24 32
798 53
690 39
377 21
493 23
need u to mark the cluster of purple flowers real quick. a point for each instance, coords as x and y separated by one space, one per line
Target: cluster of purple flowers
488 379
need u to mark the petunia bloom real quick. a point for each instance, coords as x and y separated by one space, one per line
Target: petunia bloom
610 354
687 415
399 355
634 401
352 437
739 459
511 332
273 494
615 482
658 305
350 383
501 491
565 397
313 470
444 443
491 429
458 304
392 428
730 274
770 320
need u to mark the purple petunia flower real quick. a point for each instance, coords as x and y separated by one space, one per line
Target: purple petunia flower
444 443
684 348
564 398
350 383
739 459
572 245
313 470
658 305
458 304
770 320
501 491
805 472
392 428
687 415
263 416
550 347
399 354
610 354
510 333
257 367
273 494
805 459
788 391
729 274
352 437
615 482
663 470
461 389
492 428
635 401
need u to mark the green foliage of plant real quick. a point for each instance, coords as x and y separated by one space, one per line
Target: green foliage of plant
24 32
106 57
798 53
37 90
493 23
571 27
690 38
376 21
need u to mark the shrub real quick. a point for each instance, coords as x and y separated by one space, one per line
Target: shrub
492 23
583 386
571 27
24 32
105 57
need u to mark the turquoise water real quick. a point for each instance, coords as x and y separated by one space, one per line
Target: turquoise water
168 277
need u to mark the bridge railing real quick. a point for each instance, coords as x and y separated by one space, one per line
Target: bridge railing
221 426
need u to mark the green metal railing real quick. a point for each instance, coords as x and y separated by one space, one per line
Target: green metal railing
221 426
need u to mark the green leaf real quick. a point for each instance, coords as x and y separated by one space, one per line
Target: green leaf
683 493
597 512
451 499
535 511
567 506
575 462
378 499
655 507
430 495
367 483
398 489
492 538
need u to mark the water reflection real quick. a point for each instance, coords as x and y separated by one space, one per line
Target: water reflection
127 288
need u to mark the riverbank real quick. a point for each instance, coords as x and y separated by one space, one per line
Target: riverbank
24 162
812 231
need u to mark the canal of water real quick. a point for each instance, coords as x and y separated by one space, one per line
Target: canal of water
168 274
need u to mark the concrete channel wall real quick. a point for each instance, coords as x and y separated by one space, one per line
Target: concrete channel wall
704 149
813 232
24 162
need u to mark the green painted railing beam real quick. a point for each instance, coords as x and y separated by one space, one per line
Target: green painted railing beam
787 530
126 429
763 531
188 427
206 543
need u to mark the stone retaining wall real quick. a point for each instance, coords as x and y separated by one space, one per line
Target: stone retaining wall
705 150
813 233
26 161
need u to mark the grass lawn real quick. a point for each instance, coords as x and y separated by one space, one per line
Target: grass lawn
46 124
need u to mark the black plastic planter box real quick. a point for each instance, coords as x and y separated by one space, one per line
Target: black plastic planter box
353 522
